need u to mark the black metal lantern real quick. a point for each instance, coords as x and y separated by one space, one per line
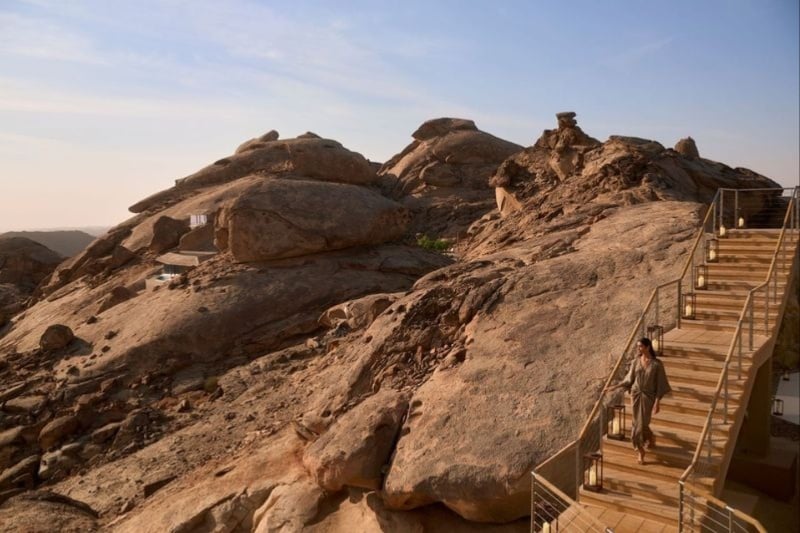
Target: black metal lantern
777 407
785 375
701 277
712 250
656 335
689 305
740 222
616 422
546 518
593 471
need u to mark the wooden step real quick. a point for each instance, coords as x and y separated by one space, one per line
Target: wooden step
622 502
697 362
626 523
641 486
664 463
741 286
724 325
678 405
734 314
681 374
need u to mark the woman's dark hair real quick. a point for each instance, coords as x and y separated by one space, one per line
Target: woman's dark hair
649 345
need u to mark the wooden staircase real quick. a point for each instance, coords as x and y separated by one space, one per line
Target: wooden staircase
694 355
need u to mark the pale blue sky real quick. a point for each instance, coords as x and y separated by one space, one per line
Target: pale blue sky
105 102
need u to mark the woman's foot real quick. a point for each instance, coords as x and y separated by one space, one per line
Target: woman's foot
651 442
640 456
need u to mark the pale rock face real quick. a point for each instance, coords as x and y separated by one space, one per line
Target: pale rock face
289 218
443 175
687 147
358 445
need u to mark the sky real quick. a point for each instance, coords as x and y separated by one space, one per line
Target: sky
104 102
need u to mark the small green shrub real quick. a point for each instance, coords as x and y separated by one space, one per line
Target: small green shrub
434 245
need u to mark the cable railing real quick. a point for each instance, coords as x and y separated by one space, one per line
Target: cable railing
731 211
710 515
710 455
553 511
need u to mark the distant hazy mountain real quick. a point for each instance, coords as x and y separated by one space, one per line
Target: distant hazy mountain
65 243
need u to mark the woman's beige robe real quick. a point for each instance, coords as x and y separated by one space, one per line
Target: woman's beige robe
645 385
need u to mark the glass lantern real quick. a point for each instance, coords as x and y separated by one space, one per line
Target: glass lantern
593 472
656 335
616 422
777 407
701 277
712 250
689 305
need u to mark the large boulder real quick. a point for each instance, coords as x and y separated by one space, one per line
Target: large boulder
688 148
56 337
167 233
306 156
355 449
282 218
443 175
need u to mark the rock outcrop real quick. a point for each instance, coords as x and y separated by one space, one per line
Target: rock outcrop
443 175
317 370
280 218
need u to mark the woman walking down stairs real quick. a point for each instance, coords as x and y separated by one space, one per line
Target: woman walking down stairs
725 331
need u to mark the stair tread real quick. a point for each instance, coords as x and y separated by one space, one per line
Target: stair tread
633 505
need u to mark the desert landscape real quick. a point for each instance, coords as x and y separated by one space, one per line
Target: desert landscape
295 338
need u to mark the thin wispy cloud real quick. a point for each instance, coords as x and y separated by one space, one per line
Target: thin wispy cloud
39 38
635 55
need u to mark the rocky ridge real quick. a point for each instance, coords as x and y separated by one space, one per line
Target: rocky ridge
317 369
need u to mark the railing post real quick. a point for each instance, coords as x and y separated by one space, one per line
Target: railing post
678 307
725 398
739 340
533 502
751 321
578 470
736 208
766 311
722 207
730 518
680 506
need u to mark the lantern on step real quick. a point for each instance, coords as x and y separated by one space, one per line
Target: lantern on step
723 231
593 472
701 277
739 220
656 335
546 518
616 422
689 305
712 250
785 375
777 407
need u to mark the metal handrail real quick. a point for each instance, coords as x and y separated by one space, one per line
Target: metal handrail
744 517
723 380
737 337
589 519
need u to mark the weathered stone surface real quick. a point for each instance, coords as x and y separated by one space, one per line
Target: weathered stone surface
289 218
358 313
443 175
56 337
25 404
289 508
258 142
21 474
56 430
200 239
167 233
117 295
688 148
441 126
358 445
